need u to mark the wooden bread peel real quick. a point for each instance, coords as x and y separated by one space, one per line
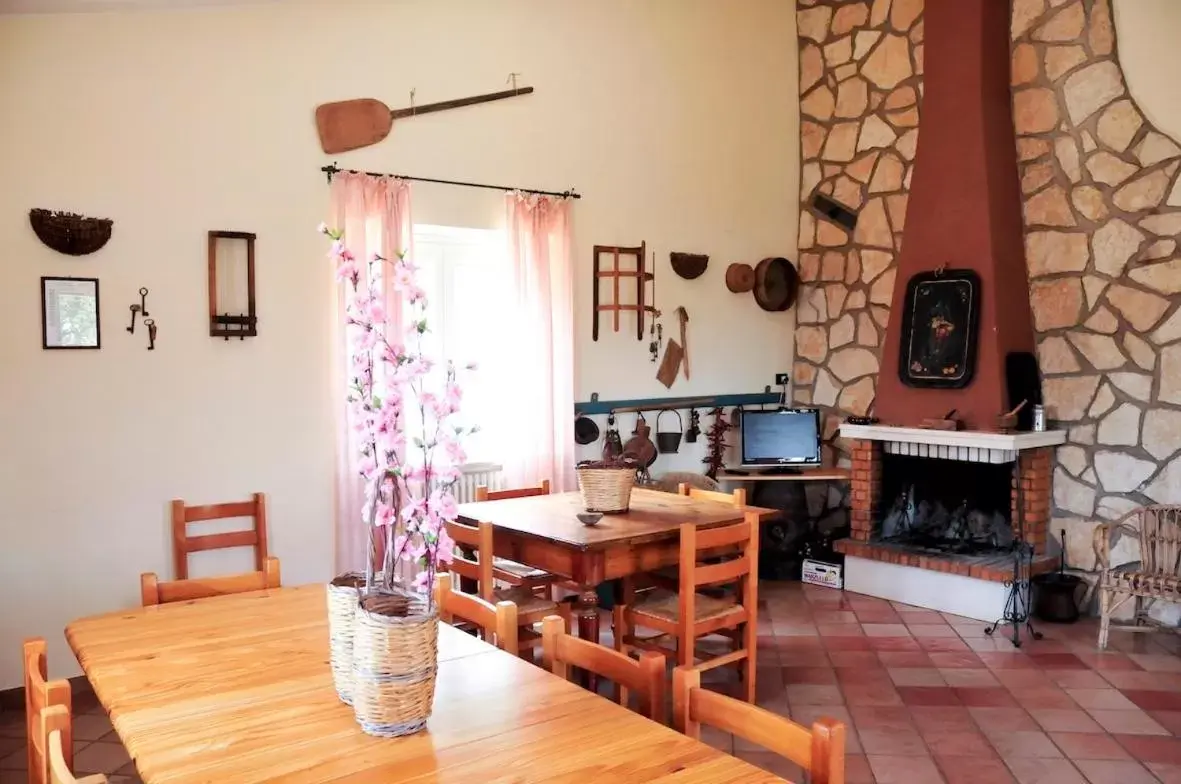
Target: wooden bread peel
675 353
348 125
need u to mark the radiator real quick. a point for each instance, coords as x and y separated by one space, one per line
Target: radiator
474 475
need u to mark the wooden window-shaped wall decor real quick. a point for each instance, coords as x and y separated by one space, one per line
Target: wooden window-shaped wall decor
231 285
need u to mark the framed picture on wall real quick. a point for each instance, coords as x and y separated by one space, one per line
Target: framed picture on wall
69 313
939 329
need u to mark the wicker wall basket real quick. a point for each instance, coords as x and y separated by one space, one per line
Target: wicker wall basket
395 658
344 593
606 490
69 233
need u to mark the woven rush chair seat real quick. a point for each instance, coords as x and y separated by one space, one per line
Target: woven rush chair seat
666 604
1142 584
528 602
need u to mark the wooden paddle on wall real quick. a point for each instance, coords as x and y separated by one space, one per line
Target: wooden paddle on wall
348 125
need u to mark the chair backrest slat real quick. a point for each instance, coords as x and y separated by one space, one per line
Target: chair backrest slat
645 677
484 494
819 750
40 694
152 591
497 621
478 566
737 498
255 536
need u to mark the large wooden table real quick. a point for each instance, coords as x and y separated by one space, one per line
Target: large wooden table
543 532
238 689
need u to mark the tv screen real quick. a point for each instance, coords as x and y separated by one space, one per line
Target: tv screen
789 436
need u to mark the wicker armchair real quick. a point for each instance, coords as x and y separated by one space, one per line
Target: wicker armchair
1157 575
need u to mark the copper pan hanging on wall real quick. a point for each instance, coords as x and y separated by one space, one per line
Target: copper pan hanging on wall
776 284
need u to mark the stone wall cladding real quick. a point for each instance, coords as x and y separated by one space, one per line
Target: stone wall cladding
1102 206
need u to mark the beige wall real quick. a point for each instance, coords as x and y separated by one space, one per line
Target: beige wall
1151 58
675 118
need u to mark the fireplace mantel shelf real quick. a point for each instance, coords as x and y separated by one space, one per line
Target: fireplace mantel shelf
972 439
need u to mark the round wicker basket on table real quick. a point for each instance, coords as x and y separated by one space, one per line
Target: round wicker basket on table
395 659
344 593
606 490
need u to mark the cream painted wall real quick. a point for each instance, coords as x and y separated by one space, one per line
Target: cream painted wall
1150 58
675 118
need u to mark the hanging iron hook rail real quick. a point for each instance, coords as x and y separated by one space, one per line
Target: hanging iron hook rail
569 194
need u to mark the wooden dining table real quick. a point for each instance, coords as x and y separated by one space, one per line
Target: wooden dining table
544 532
237 689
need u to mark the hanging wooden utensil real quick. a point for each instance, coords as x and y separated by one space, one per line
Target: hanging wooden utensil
740 278
671 364
348 125
776 284
683 318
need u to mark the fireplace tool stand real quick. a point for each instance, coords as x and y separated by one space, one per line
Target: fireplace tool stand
1018 604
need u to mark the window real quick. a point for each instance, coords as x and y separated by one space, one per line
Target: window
463 273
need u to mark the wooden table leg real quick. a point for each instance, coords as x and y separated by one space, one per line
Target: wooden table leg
588 627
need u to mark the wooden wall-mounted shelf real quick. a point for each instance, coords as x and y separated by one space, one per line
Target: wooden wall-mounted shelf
596 406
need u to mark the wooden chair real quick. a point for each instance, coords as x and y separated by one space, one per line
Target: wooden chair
1156 576
820 751
480 568
645 677
152 591
53 733
497 621
510 571
737 498
266 574
685 616
40 694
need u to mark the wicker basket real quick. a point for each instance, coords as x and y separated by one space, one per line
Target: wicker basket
69 233
606 490
343 595
395 658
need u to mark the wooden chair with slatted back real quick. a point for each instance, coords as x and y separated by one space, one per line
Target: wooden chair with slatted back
684 616
496 621
41 693
266 574
479 567
644 678
820 750
510 571
54 730
737 498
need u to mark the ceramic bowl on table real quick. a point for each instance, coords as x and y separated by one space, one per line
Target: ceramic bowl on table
589 518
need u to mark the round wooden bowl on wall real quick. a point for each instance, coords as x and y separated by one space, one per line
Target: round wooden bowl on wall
70 233
740 278
776 284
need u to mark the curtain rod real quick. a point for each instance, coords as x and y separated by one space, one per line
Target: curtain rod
570 194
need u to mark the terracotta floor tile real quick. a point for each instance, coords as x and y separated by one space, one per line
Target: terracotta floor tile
834 643
874 674
1077 679
916 676
1155 700
854 659
978 770
100 757
942 718
920 616
893 644
814 694
904 659
834 616
90 726
839 629
994 720
1170 720
802 658
928 695
1077 746
809 675
1133 722
953 743
1157 662
1168 774
954 659
1073 720
1148 681
1101 699
1107 661
942 644
889 741
932 630
1045 698
1033 678
1057 661
885 630
964 677
881 694
1115 772
1044 771
772 763
890 717
1024 743
995 697
722 741
878 615
892 769
1152 749
1003 660
857 770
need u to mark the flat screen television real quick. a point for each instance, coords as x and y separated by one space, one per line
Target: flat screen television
782 437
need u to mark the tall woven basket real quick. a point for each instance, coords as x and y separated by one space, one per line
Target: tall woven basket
606 490
395 659
344 593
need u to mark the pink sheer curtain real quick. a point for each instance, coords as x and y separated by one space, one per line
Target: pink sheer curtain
374 213
541 342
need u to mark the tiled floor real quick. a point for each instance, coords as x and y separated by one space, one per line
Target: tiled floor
926 697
